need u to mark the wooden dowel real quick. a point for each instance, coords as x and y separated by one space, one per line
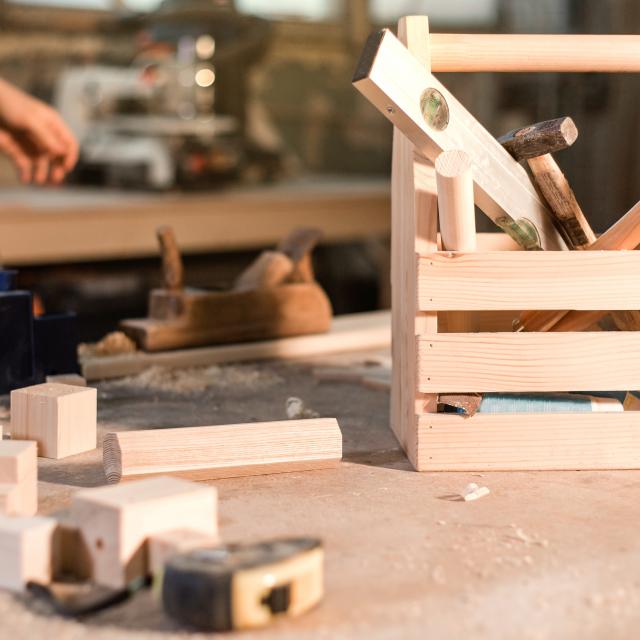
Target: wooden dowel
533 52
172 269
456 212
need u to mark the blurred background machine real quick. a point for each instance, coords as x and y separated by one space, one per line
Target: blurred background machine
176 116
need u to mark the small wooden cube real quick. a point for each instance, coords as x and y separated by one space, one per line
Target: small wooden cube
61 418
116 521
18 478
25 551
163 546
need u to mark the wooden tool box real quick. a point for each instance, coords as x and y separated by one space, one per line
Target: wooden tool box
497 281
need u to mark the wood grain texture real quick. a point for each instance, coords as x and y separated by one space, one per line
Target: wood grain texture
534 52
550 441
586 280
222 451
484 362
540 138
562 201
61 418
414 210
457 216
18 477
351 332
396 84
115 522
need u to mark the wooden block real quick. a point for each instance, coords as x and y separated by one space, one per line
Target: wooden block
529 280
510 362
25 551
71 558
431 117
73 379
223 451
18 478
561 441
115 522
163 546
61 418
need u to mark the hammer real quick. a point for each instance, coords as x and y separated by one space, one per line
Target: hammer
535 144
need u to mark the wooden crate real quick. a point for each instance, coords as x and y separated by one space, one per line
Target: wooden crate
497 282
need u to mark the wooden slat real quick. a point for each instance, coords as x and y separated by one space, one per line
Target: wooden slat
450 442
396 83
534 52
414 210
581 280
483 362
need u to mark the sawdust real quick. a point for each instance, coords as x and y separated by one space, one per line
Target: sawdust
195 379
114 343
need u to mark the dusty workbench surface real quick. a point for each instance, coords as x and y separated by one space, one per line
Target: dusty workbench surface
545 555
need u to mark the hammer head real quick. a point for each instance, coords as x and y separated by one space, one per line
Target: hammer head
540 138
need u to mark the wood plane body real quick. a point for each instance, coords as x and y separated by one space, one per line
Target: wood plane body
197 317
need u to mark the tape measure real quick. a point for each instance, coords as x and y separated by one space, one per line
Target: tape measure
242 586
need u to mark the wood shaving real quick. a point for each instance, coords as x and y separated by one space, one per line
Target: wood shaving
112 344
197 379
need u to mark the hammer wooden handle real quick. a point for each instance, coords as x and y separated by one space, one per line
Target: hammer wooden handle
172 270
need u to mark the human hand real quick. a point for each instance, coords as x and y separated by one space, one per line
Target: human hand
34 137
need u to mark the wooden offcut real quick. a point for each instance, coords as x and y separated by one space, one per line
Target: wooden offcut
61 418
223 451
115 522
25 551
18 478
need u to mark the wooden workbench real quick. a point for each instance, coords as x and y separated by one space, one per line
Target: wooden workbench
545 555
41 226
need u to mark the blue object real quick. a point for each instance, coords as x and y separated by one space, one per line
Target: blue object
7 279
535 403
17 354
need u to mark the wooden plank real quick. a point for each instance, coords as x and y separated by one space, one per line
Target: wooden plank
223 451
92 226
414 221
549 441
583 280
61 418
402 90
534 52
483 362
348 333
115 522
